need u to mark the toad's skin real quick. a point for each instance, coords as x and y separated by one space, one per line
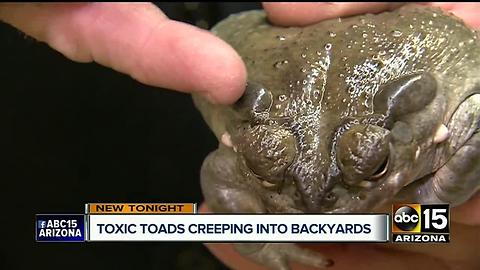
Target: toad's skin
345 116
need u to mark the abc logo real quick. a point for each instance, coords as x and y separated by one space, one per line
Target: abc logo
406 218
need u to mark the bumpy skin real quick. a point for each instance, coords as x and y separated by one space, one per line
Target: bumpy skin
344 116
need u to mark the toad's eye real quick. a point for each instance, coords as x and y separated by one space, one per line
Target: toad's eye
256 99
268 151
363 154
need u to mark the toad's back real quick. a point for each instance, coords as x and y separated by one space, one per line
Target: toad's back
338 65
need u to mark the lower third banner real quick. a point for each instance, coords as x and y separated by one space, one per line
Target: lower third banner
239 228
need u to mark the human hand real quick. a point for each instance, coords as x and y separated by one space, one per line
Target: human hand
461 253
136 39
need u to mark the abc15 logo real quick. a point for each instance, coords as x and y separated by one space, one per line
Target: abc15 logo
420 218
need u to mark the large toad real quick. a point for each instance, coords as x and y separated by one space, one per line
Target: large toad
344 116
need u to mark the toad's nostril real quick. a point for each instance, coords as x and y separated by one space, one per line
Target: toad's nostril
331 197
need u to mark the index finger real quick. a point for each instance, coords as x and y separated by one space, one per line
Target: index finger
136 39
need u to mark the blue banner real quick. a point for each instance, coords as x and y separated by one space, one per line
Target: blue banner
60 228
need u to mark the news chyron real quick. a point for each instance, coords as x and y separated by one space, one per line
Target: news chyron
178 222
421 223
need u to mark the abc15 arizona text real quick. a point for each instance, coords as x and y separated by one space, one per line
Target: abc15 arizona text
421 223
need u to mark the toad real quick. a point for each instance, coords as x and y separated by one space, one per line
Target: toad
344 116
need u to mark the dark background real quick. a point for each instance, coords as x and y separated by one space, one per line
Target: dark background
74 133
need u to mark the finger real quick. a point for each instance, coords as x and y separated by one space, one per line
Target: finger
374 257
279 263
137 39
227 254
345 256
461 252
468 12
307 257
299 14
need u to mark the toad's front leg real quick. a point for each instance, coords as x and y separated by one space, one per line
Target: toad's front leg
226 192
